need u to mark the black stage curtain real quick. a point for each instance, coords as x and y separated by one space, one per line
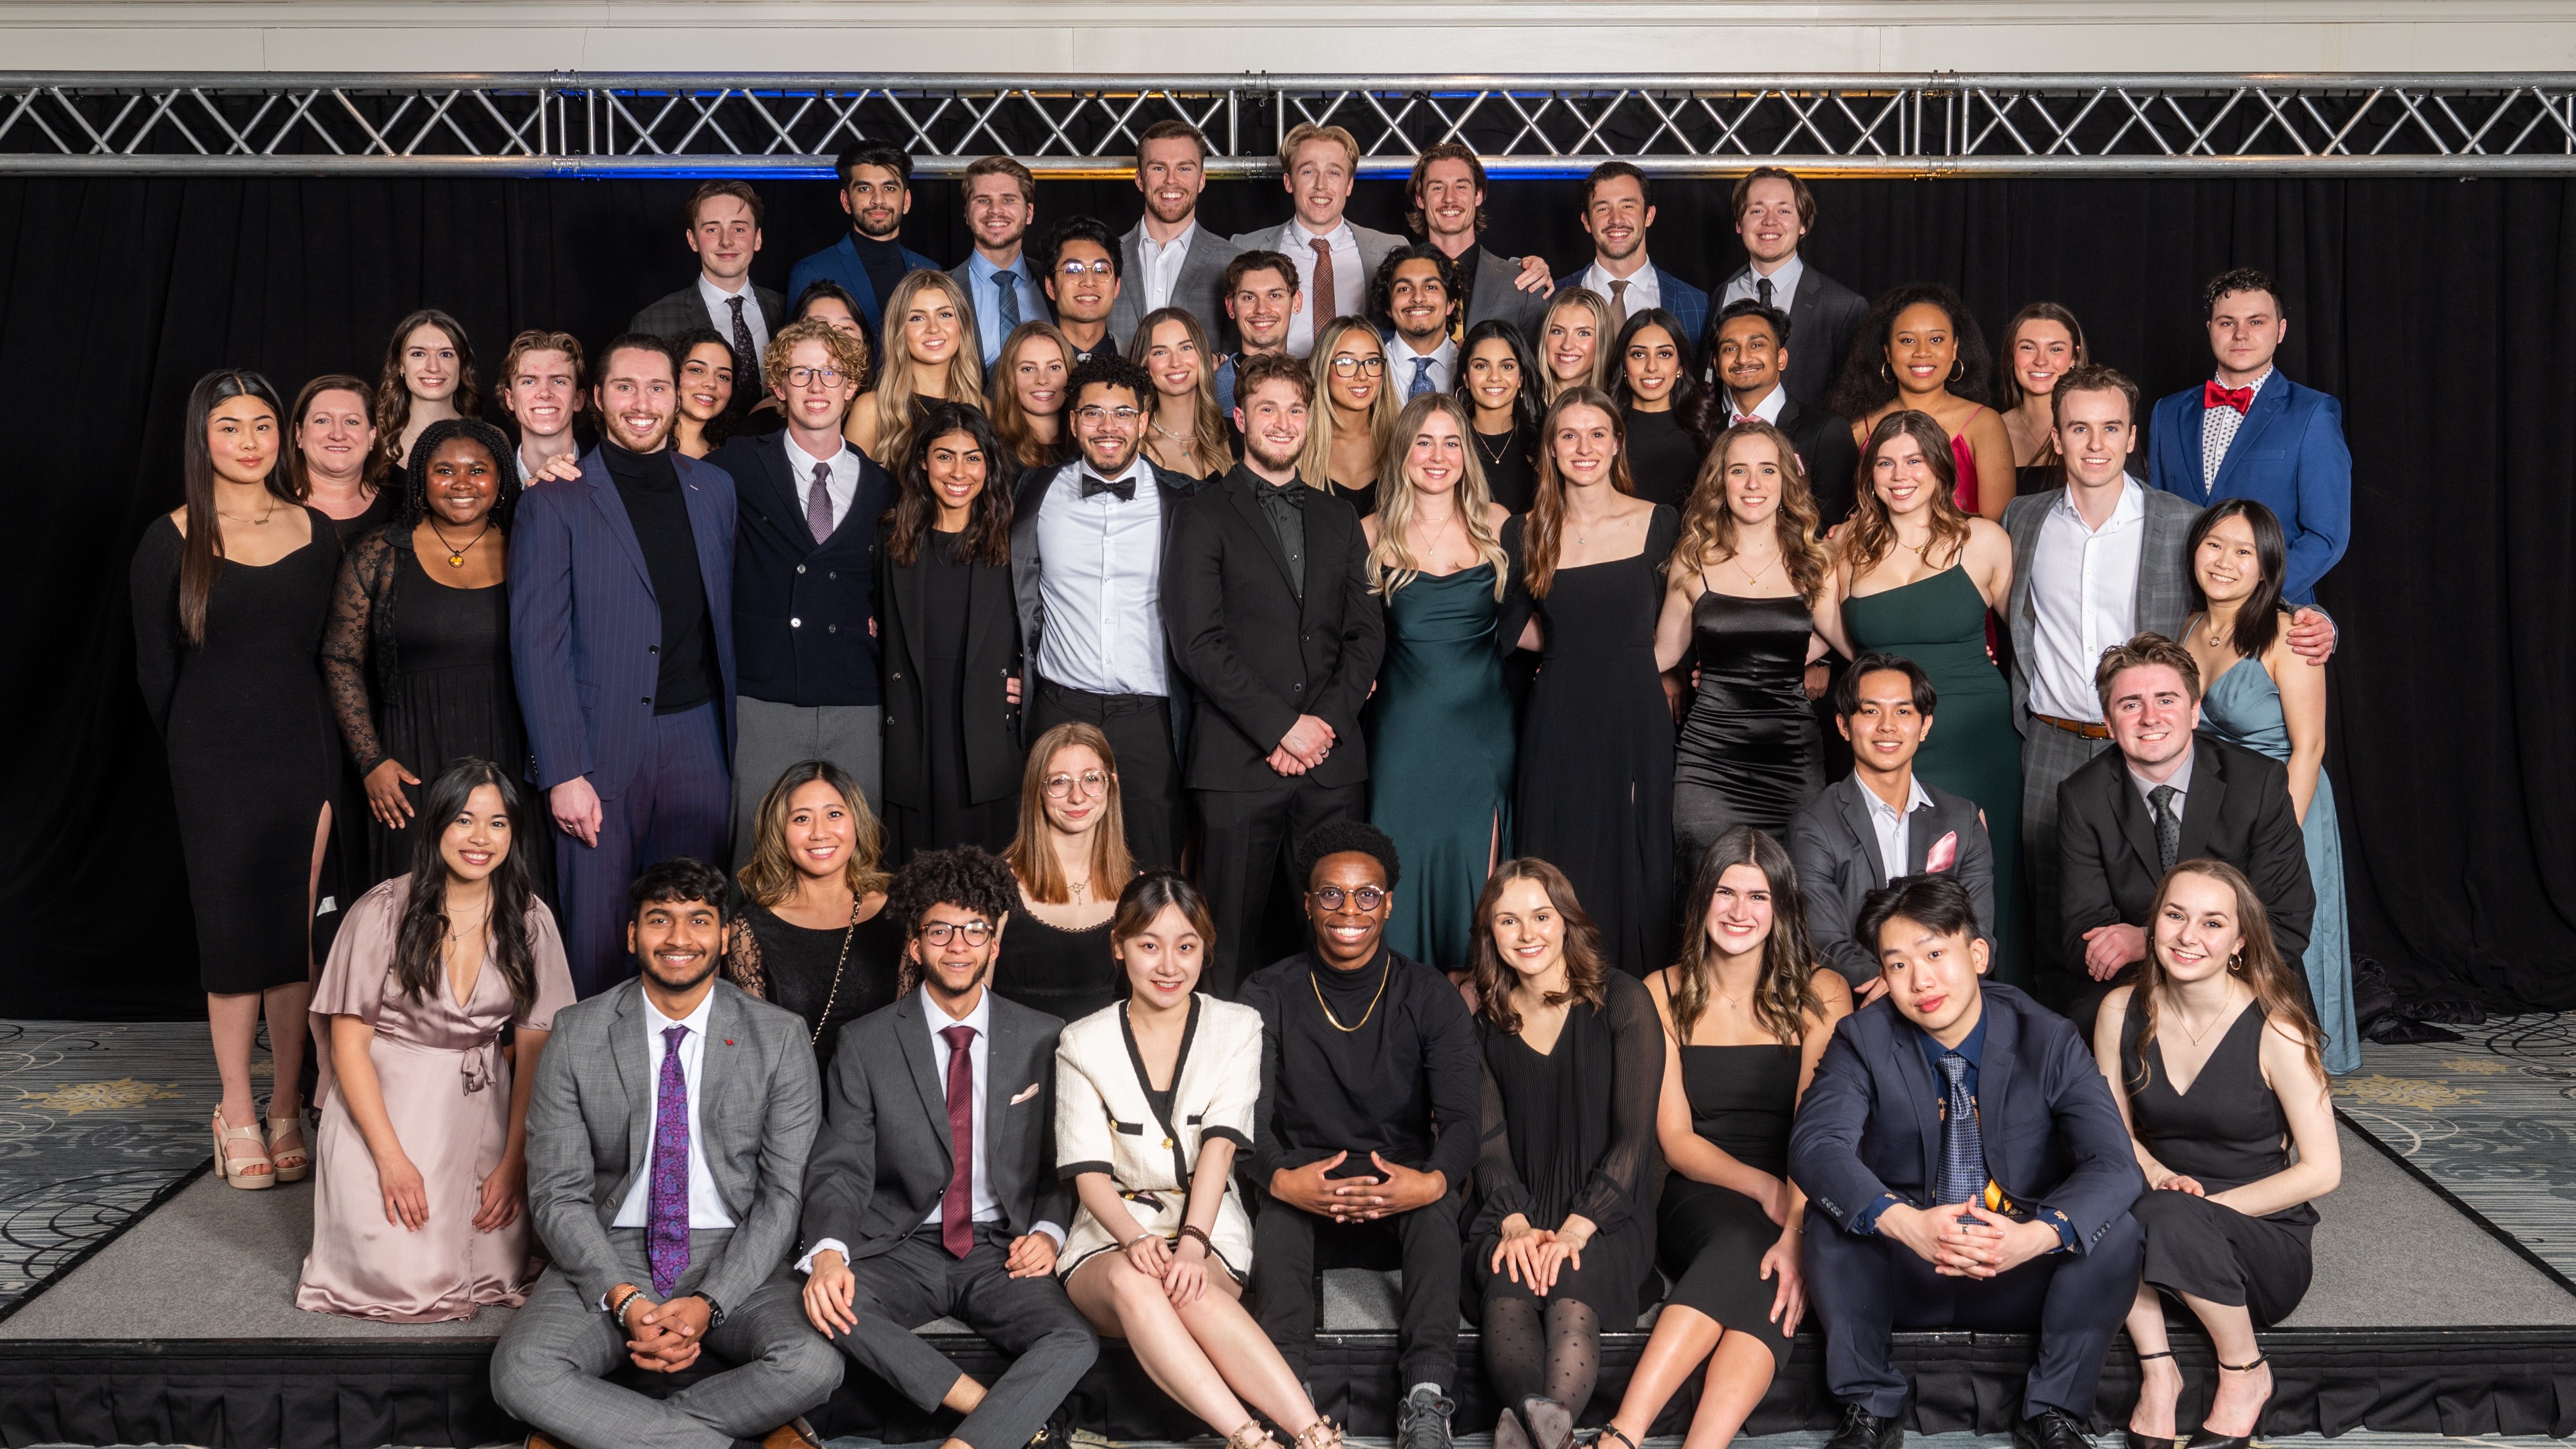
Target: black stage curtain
2434 309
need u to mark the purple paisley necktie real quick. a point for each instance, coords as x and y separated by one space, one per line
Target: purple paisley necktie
666 1219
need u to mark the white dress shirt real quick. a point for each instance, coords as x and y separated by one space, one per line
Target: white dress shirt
1100 584
1400 360
720 312
2218 429
706 1205
2084 599
1161 263
1768 410
841 485
1893 838
2180 779
1746 286
1645 289
1350 280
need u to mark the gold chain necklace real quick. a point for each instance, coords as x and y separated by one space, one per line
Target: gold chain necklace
1383 977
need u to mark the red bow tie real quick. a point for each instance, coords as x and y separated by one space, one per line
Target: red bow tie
2214 396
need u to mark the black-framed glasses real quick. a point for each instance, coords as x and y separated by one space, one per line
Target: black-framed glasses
1331 897
939 933
1093 782
808 376
1355 366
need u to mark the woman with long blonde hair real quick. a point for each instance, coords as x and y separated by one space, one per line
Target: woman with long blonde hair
1739 607
1574 343
1440 725
1354 414
1596 761
815 936
1070 859
1028 395
1184 432
925 356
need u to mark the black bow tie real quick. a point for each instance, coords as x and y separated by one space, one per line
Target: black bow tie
1093 486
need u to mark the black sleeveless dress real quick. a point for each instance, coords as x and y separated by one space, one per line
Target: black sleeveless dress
1663 457
2227 1131
1713 1238
1748 752
1066 974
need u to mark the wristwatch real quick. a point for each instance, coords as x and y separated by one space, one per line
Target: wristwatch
715 1310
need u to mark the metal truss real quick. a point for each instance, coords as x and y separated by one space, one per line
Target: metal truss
567 124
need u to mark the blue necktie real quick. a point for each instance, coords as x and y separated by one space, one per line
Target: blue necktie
1421 379
1009 310
1963 1145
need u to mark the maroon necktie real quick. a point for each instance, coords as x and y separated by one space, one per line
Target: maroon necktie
2214 396
1325 310
957 1206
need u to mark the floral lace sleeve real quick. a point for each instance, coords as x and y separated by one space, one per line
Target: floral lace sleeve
363 574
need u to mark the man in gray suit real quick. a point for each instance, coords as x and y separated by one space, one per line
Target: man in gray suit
668 1124
1882 823
1172 261
934 1190
1319 165
1446 203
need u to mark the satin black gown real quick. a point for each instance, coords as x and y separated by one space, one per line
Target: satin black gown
1749 752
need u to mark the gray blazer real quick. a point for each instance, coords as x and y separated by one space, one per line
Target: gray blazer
1199 290
1494 296
590 1120
1374 246
686 309
1034 307
1835 849
2164 576
884 1160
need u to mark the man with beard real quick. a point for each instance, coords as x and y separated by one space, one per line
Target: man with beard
876 190
1618 211
1169 259
1083 282
1414 299
1275 625
675 1244
1447 192
1087 544
626 674
998 277
541 391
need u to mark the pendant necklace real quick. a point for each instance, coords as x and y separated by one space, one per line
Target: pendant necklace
455 555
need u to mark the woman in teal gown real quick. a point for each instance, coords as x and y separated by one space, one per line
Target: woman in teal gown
2255 692
1915 577
1439 727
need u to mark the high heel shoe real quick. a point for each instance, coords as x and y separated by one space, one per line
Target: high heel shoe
289 1164
2203 1439
238 1170
2131 1438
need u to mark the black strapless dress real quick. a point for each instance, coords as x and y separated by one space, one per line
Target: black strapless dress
1749 752
1712 1238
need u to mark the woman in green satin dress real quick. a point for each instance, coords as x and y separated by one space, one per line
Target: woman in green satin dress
1439 726
1915 576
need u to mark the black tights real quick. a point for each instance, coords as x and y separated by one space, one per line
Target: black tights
1536 1349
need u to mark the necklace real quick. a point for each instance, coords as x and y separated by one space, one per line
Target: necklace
1077 888
1752 579
1493 458
1382 978
2217 635
259 522
455 555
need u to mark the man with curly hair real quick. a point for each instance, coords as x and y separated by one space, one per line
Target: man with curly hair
934 1192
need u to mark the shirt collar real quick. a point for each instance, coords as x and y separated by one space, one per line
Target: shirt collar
981 1018
718 297
1445 353
695 1021
1784 282
2131 508
1141 470
2270 370
1600 275
1145 238
1973 1047
1768 410
2179 779
981 267
801 463
1915 799
1340 233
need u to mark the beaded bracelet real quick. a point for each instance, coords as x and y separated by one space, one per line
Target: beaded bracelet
1192 1230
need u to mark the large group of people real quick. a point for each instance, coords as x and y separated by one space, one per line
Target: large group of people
1071 791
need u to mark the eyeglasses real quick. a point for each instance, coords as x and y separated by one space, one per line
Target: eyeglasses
939 933
1331 897
1092 782
808 376
1355 366
1094 415
1101 268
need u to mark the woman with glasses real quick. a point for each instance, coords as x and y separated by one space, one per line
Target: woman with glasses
1070 859
948 630
1355 410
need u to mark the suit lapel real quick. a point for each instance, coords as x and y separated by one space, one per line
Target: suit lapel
1920 832
2135 821
2269 405
716 1075
912 1036
987 600
1921 1091
1001 1080
2207 797
612 509
2024 615
1994 1077
1864 833
1240 495
631 1050
2195 413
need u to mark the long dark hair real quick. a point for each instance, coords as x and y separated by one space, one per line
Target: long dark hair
2007 377
1785 993
2277 990
1866 383
1526 406
505 470
1584 966
2258 619
393 397
988 519
419 954
1690 400
201 553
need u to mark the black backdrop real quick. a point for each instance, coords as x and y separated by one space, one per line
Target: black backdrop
2439 311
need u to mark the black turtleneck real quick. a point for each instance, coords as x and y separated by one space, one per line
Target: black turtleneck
649 485
884 263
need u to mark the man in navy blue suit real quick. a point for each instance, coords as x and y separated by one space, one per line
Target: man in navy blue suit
2251 433
876 190
1618 209
1965 1167
621 642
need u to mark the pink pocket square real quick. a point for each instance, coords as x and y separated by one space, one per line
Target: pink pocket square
1943 854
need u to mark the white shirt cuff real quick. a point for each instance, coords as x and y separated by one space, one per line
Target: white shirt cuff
831 1245
1052 1231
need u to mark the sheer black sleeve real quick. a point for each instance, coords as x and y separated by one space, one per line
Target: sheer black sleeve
1620 1182
365 574
153 585
1499 1189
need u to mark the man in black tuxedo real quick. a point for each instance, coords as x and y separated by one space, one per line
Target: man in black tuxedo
2164 794
724 230
1774 211
1965 1167
1267 598
1882 823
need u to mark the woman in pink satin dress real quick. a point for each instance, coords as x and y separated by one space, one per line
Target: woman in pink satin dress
420 1208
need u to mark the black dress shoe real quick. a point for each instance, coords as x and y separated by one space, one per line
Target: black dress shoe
1861 1429
2051 1429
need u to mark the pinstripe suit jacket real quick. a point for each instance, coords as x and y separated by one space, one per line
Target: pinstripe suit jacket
585 631
2164 576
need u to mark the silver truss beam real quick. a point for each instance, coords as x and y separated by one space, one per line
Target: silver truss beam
581 125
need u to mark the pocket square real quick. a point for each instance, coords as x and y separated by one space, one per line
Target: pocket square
1026 1092
1943 854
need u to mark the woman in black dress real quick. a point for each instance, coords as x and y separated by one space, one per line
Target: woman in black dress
330 453
1656 380
2042 343
418 653
1498 381
1738 607
230 592
814 935
949 630
1596 760
2213 1058
1563 1231
1070 859
1746 1015
1354 413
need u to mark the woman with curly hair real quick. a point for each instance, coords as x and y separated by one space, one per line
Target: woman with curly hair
814 935
1920 351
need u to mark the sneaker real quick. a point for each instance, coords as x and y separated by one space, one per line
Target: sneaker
1861 1429
1422 1421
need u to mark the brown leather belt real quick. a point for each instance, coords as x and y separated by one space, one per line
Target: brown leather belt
2083 728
